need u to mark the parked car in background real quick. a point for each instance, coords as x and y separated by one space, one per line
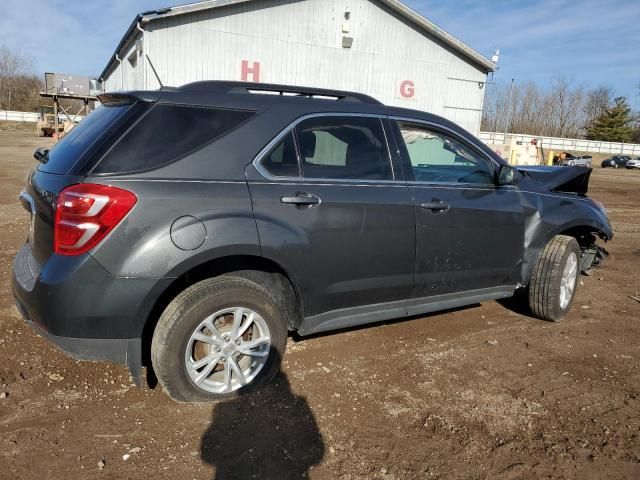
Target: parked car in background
193 228
633 163
617 161
566 159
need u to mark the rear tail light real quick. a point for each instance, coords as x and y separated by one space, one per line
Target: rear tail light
86 213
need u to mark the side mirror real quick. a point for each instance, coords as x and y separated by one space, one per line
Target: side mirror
41 154
506 175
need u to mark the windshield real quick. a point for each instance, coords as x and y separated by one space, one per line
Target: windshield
64 154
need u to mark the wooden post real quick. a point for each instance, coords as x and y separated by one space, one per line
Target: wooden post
55 117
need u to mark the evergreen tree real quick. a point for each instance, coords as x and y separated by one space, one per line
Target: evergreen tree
614 124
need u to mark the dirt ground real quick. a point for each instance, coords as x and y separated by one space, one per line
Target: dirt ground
481 392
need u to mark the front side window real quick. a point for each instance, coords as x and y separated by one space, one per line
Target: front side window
343 148
437 157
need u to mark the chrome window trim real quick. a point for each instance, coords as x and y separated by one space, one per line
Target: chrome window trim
257 161
457 136
461 186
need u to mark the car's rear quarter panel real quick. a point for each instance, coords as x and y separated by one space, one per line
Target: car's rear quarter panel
141 246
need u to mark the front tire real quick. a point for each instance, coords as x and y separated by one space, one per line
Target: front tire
555 278
219 338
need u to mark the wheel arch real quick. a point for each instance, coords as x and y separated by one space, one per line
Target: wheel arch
256 268
584 231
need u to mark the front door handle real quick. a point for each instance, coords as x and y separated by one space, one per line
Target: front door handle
436 206
302 199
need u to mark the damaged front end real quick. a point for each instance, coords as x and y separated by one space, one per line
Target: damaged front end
592 257
560 179
555 202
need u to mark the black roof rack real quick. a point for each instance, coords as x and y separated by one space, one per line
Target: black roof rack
216 86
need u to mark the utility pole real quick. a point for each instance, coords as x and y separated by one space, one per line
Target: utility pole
506 124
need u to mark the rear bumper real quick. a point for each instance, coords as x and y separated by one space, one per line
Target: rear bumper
118 350
83 309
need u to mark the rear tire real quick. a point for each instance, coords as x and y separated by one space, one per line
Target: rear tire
554 280
208 310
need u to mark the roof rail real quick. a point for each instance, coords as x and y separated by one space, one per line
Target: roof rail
216 86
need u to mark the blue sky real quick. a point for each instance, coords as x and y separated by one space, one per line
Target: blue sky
593 41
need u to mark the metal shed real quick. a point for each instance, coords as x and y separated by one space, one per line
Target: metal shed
378 47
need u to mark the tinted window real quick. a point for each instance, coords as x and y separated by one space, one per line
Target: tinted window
437 157
68 151
167 133
282 161
344 148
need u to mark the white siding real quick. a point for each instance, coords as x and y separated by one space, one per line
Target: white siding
300 43
129 74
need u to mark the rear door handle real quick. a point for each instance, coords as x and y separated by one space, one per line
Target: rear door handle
301 199
436 206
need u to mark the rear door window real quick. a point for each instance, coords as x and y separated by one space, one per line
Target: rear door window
64 154
167 133
344 148
282 161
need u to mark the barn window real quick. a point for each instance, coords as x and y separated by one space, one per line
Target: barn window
133 59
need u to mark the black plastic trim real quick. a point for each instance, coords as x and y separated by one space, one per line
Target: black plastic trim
354 316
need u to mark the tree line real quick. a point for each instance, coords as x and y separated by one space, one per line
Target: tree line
564 109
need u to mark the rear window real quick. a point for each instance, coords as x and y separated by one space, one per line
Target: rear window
167 133
64 154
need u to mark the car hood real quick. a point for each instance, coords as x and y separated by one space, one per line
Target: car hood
559 179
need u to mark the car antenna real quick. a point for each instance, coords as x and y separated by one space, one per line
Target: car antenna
154 70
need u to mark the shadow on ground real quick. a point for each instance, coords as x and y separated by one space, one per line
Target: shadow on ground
270 434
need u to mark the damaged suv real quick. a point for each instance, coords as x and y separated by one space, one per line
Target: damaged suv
191 229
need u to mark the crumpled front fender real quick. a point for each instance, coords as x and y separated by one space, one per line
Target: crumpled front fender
548 215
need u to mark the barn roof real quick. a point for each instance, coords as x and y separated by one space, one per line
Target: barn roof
395 5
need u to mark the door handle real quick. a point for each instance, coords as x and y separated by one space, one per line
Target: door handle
302 199
436 206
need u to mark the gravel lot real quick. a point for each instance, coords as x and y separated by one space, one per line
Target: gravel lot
481 392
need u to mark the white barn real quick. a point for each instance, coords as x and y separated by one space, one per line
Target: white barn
378 47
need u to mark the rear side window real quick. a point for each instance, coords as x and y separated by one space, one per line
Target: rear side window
344 148
167 133
63 156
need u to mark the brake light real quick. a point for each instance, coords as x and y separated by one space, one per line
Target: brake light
86 213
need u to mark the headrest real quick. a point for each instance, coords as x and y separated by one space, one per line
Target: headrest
307 144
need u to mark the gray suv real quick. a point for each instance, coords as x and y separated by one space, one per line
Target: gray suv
191 229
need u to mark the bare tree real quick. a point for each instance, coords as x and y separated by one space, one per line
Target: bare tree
18 85
596 102
567 102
